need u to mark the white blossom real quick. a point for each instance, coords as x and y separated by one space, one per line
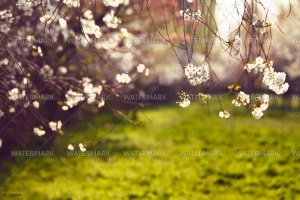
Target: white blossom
257 113
46 70
147 71
88 14
38 131
25 81
224 114
196 74
123 78
36 104
274 80
14 94
62 23
81 147
101 103
89 27
4 61
261 105
71 147
241 98
73 98
64 107
62 70
91 91
111 20
184 103
54 126
140 68
259 65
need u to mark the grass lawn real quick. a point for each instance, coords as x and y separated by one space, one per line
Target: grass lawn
224 164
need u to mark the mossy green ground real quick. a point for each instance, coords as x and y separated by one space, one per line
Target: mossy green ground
169 130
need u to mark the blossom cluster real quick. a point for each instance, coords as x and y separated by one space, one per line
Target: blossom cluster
185 101
5 16
274 80
224 114
111 20
90 93
141 68
88 25
260 105
123 78
241 98
197 74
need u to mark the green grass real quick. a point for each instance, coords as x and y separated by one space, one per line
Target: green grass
169 129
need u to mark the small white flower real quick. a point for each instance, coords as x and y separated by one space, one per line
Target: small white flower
224 114
111 20
25 81
64 107
257 113
46 70
101 103
71 147
63 23
123 78
11 110
13 94
36 104
88 14
140 68
0 142
264 107
81 147
54 126
88 88
196 74
147 71
236 103
62 70
38 131
241 98
73 98
184 103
